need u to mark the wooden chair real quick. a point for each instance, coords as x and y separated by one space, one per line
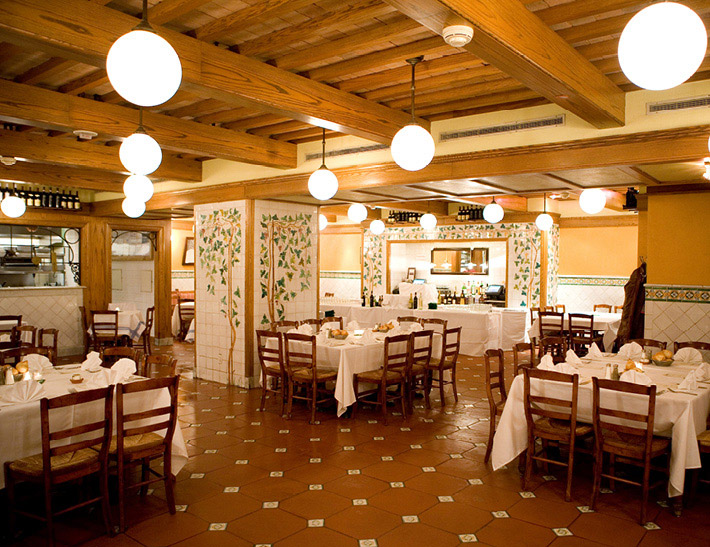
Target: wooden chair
314 323
53 335
85 330
394 371
186 314
159 365
700 346
283 326
557 424
436 325
8 331
618 309
301 370
704 448
13 356
141 444
551 323
272 365
104 328
338 320
582 334
560 308
26 335
649 343
447 362
409 319
145 335
534 314
523 356
420 350
635 445
495 391
61 461
549 308
555 346
111 355
602 307
329 295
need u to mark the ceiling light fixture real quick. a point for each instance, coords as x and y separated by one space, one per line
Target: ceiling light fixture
457 35
493 212
84 134
133 207
142 66
377 227
428 222
543 220
138 187
12 206
322 222
662 46
323 184
706 174
140 153
592 200
357 212
413 146
8 160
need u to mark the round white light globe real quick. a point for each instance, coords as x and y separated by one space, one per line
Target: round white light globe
592 201
140 154
13 207
662 46
544 222
357 212
377 227
493 213
143 68
412 147
138 188
133 207
322 184
428 222
322 222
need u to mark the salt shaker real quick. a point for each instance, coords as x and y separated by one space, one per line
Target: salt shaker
607 372
9 378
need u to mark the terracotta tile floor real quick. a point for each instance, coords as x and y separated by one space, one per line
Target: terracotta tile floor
256 479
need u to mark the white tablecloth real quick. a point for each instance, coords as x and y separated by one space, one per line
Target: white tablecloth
7 325
20 428
603 321
678 416
176 316
130 323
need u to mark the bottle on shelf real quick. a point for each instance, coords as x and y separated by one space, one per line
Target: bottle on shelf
415 302
364 297
372 300
411 301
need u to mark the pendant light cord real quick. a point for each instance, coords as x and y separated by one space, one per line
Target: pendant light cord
145 11
544 202
323 152
412 91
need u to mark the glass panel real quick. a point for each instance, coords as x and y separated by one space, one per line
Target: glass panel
459 261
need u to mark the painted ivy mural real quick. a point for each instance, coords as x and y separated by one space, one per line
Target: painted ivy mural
220 246
285 261
373 263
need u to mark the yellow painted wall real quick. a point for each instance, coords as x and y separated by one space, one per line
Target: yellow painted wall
177 245
340 252
610 251
678 239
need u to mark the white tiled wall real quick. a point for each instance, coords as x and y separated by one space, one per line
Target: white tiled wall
49 307
597 290
341 288
136 279
182 280
677 314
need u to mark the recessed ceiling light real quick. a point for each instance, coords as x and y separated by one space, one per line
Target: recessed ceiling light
84 135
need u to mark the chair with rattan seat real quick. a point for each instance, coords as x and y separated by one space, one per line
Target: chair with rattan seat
555 346
409 319
140 444
582 334
495 392
313 322
7 332
700 346
451 342
551 323
704 449
602 307
283 326
523 357
534 314
561 308
649 343
26 335
301 371
53 336
61 461
85 330
271 361
186 313
394 372
145 335
104 328
111 355
552 420
159 365
439 328
618 309
630 444
332 322
13 356
420 348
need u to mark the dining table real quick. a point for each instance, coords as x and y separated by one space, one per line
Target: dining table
130 323
680 415
175 321
20 425
605 322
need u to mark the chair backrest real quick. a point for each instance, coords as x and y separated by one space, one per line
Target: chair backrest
451 347
556 346
495 376
333 319
7 328
149 318
84 319
421 347
297 353
163 418
551 323
98 431
26 335
560 308
538 406
110 355
549 308
409 319
534 312
315 323
159 365
104 323
397 353
14 355
606 418
701 346
648 342
581 326
270 357
53 335
618 309
523 356
283 326
436 325
602 307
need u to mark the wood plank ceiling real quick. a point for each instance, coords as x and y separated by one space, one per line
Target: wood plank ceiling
354 48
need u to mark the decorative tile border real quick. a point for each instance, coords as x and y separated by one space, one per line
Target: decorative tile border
678 293
339 274
182 274
593 280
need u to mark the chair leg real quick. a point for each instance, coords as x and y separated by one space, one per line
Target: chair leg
105 503
644 497
145 475
441 389
453 384
612 472
290 398
383 400
48 513
570 465
404 410
264 379
10 489
529 462
694 477
282 386
427 387
597 482
545 448
314 398
121 475
491 434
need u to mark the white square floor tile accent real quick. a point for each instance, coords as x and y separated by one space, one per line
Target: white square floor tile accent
349 448
270 505
561 532
397 485
371 421
651 526
415 446
276 474
429 469
549 477
218 526
263 545
181 508
440 437
353 471
315 487
284 431
475 482
456 456
345 430
241 462
256 423
210 451
249 440
221 433
405 428
378 438
230 417
280 450
468 538
314 460
197 476
367 543
526 495
584 509
500 514
387 458
315 439
360 501
316 523
445 499
230 489
410 519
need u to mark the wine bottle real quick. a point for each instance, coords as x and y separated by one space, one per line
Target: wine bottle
364 298
77 202
372 300
411 301
416 302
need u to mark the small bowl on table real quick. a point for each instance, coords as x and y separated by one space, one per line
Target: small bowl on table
664 363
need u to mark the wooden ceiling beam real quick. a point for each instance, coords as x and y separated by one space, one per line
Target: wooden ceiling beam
640 175
614 200
255 121
62 176
342 210
581 9
227 115
201 107
169 10
435 207
454 92
36 74
88 154
78 30
510 203
58 111
538 58
85 83
510 96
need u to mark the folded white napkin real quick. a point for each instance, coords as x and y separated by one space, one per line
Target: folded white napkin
566 368
353 325
594 352
368 337
395 323
546 363
117 374
92 362
688 355
305 329
123 369
21 392
633 376
631 351
37 362
571 357
702 372
690 382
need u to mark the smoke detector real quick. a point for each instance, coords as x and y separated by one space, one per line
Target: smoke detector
83 135
457 35
8 160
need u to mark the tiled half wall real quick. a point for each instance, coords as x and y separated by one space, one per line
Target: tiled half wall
580 293
342 284
677 313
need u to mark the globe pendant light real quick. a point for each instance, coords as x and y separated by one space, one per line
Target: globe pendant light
428 222
322 222
357 212
662 46
377 227
413 146
592 201
493 212
140 153
138 187
133 207
142 66
323 184
12 206
543 220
